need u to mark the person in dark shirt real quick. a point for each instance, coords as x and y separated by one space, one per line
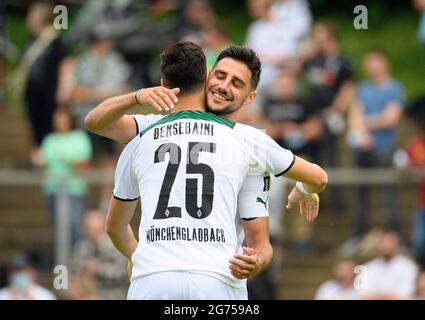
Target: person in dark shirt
291 120
292 123
329 75
41 62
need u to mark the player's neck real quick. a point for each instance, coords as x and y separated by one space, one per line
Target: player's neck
191 102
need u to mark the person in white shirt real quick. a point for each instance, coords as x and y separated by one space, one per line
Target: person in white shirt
211 207
420 287
390 275
342 286
23 285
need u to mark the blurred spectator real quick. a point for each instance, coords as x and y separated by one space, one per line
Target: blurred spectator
390 275
23 284
274 43
63 153
342 287
420 287
96 256
214 40
415 151
81 287
99 73
37 74
199 17
290 121
138 28
374 119
294 18
420 6
329 75
3 273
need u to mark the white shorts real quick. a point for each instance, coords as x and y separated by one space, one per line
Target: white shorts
181 285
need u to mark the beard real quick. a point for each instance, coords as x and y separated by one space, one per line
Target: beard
226 110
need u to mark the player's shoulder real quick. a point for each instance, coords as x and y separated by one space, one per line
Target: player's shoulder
130 148
247 131
144 121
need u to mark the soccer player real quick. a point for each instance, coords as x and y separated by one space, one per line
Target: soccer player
171 138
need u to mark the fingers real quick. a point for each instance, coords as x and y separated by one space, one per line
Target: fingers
244 261
289 205
239 273
156 97
248 251
303 209
176 91
311 209
161 98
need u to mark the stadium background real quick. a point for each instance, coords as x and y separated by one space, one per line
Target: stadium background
392 27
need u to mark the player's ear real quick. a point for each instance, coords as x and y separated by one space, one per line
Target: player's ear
251 97
162 83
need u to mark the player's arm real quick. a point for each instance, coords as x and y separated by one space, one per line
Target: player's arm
258 254
118 225
311 179
268 156
123 203
253 210
109 118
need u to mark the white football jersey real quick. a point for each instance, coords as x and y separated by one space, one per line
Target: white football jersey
188 168
254 194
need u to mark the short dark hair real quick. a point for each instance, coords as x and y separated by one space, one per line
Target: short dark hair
247 56
183 65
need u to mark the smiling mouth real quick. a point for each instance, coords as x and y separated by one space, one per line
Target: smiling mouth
220 96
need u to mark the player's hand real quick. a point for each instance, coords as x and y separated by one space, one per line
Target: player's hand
129 268
309 204
161 98
244 265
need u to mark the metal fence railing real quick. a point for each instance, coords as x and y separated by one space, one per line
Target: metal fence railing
337 176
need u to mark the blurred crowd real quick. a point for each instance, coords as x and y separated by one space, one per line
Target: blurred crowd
308 100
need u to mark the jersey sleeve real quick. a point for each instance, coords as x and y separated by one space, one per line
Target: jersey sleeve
253 197
263 153
142 121
126 186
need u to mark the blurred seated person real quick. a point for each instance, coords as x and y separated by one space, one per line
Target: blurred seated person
213 41
342 286
198 17
81 287
23 283
415 165
95 256
391 275
420 287
65 153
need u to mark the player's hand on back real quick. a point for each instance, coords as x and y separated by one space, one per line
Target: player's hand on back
161 98
244 265
309 204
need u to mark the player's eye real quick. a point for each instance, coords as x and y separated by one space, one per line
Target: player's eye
220 75
238 84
